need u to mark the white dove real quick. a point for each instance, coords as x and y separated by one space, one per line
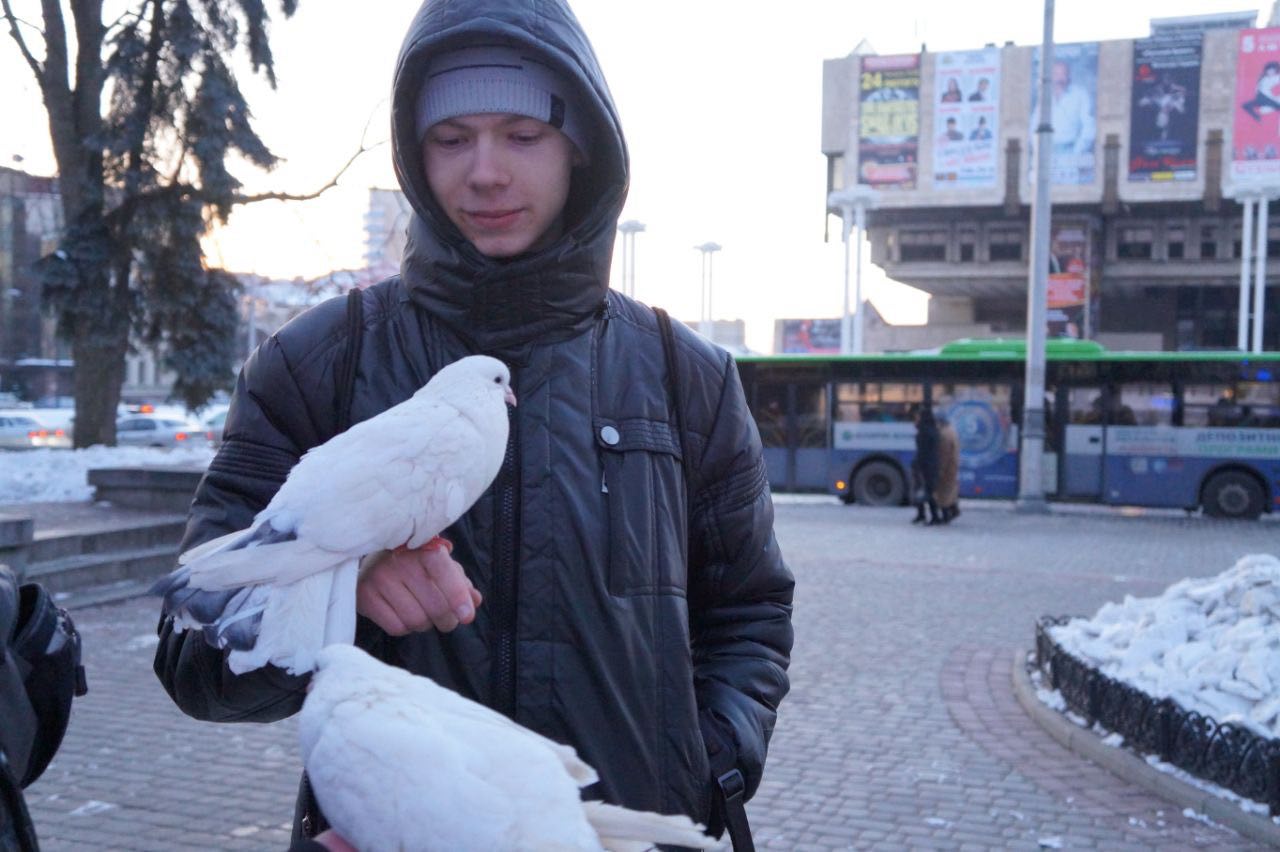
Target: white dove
285 587
398 762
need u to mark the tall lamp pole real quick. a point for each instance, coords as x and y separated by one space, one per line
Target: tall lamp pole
705 324
629 229
1031 455
853 203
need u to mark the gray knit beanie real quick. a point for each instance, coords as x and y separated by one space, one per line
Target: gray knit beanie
500 79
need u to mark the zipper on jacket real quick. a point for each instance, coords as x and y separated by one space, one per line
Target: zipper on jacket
505 575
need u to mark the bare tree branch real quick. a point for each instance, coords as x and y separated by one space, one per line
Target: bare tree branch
14 20
288 196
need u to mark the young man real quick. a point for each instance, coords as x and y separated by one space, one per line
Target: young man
598 593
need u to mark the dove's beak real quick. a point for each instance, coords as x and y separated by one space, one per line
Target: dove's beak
510 397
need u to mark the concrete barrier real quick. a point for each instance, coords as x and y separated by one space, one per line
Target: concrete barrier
16 534
155 489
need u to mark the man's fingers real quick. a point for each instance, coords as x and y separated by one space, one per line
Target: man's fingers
476 597
373 605
452 581
434 605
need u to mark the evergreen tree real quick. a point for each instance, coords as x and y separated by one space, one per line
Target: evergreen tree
142 174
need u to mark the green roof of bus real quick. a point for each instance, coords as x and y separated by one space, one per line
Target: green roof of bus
1015 349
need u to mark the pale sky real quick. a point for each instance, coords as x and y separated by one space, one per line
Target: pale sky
721 105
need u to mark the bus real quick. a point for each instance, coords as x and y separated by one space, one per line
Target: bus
1189 430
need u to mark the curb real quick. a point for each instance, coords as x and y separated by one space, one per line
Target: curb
1125 764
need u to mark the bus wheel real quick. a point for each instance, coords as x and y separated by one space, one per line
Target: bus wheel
879 483
1232 494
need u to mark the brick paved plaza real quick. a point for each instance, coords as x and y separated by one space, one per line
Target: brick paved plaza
901 731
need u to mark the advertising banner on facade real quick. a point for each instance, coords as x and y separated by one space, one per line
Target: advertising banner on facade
1074 107
810 336
1255 144
889 121
966 118
1068 296
1164 108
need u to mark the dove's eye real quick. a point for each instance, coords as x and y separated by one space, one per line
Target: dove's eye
497 380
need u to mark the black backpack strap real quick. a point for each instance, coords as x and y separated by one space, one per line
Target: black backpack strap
308 821
351 358
731 787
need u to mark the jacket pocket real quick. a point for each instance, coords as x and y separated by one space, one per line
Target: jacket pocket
643 484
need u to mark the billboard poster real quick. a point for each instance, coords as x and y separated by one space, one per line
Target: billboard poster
966 118
1075 102
1164 109
889 121
1255 144
811 336
1068 295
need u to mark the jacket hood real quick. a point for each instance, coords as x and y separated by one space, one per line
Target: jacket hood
500 306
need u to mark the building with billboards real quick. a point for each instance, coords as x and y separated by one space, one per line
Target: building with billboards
1154 140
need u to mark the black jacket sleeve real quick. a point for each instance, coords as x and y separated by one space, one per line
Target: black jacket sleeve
269 426
740 606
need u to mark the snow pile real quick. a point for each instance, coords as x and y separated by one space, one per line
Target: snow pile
48 475
1210 644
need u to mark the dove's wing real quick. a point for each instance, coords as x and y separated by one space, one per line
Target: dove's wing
392 774
379 488
446 700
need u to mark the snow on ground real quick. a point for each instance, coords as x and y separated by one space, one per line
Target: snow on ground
1211 644
46 475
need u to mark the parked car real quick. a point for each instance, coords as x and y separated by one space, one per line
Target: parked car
23 432
150 430
215 422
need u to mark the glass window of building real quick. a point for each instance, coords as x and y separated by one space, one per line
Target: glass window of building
1208 242
1004 243
1175 237
1133 242
927 245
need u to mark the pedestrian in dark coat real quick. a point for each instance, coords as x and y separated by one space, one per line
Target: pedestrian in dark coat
925 463
635 604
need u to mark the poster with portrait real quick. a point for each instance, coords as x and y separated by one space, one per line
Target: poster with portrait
889 121
1073 114
1255 143
1069 279
1164 108
966 118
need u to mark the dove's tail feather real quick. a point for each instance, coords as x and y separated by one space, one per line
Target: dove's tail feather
237 625
623 830
300 618
209 546
281 561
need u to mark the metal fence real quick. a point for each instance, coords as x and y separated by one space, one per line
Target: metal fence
1227 755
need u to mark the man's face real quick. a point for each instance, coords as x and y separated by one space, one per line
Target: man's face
501 179
1061 76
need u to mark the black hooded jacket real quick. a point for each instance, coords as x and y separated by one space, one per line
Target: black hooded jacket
637 617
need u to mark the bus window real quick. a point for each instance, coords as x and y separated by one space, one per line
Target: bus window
811 416
1143 404
1209 405
1259 404
877 402
771 414
1084 406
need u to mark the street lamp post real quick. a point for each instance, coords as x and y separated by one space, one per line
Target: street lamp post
629 229
853 202
1031 454
705 322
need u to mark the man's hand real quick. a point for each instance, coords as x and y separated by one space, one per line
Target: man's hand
406 591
